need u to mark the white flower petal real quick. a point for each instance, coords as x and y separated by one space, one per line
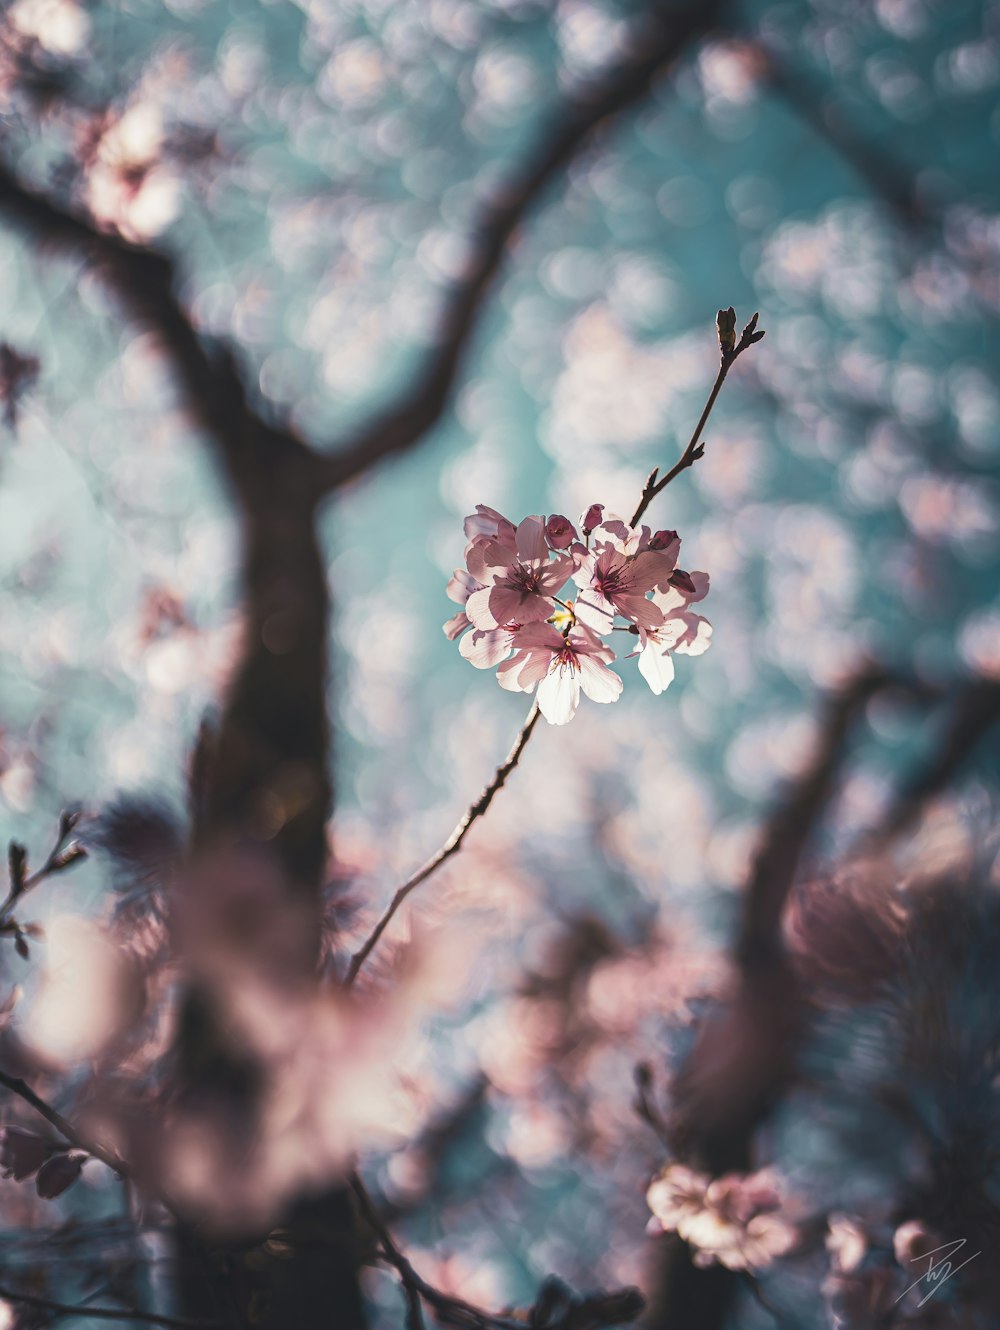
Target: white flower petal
656 667
597 681
559 694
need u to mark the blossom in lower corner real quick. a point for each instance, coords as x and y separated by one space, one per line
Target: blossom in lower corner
734 1220
561 666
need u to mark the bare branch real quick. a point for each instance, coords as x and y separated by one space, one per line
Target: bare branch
64 854
742 1058
65 1128
669 34
880 171
971 716
557 1307
145 280
731 351
86 1310
451 846
792 824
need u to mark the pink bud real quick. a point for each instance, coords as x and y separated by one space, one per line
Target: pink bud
559 531
592 517
661 540
682 581
59 1173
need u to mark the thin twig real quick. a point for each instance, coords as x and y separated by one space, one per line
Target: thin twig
670 31
104 1313
114 1161
644 1105
64 854
731 351
65 1128
451 846
696 447
577 1313
146 280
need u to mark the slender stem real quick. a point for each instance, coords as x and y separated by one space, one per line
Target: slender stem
690 454
645 1106
618 1307
695 448
115 1162
451 1310
103 1313
64 1127
67 824
451 846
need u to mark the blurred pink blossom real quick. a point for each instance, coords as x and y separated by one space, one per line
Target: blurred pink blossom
733 1220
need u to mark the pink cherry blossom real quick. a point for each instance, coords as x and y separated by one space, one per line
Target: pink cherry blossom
680 631
513 582
460 587
519 582
612 582
487 647
561 666
483 648
488 522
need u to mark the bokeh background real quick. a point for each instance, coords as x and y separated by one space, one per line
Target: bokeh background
317 167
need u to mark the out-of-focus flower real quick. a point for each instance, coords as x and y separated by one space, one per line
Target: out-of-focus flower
59 1173
561 667
60 26
913 1241
733 1220
129 186
676 1195
861 1286
846 1242
89 997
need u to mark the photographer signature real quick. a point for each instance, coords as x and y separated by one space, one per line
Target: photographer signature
938 1271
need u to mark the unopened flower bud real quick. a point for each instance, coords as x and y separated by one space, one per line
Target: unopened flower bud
726 323
592 517
662 540
559 531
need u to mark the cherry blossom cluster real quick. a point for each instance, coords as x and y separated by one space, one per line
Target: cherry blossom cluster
540 598
733 1220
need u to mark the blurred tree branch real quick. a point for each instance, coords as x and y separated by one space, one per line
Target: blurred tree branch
743 1055
668 32
87 1310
